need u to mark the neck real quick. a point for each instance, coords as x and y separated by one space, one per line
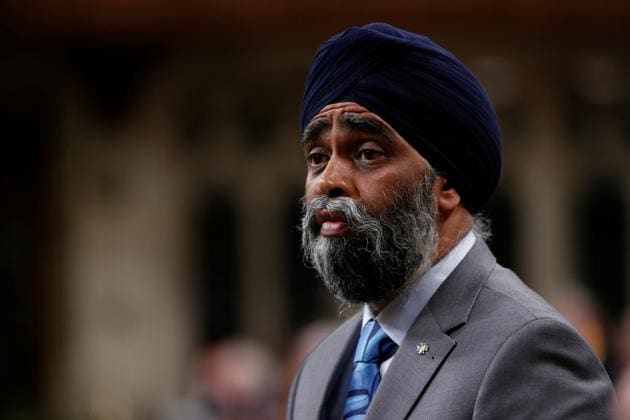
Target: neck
451 230
377 307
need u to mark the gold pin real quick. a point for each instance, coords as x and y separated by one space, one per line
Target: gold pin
423 349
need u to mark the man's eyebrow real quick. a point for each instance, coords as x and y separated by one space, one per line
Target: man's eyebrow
366 125
315 128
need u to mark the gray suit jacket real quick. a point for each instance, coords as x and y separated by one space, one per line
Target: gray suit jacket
497 350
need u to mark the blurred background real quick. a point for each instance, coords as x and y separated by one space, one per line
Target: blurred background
151 175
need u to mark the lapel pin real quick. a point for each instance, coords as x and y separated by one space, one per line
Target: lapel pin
423 349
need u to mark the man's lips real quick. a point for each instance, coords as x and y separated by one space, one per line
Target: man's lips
331 223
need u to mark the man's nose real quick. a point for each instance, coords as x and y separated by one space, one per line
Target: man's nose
337 179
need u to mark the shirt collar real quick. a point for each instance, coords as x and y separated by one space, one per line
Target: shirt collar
399 314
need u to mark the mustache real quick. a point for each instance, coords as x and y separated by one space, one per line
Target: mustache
354 212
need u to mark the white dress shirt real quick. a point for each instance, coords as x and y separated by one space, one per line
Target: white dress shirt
400 313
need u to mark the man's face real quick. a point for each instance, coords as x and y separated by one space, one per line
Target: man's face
369 221
353 153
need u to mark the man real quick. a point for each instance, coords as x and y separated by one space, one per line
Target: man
403 148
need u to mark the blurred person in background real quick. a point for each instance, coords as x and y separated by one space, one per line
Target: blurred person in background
403 149
580 308
234 379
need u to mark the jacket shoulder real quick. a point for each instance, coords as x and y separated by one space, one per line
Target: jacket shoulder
540 362
504 295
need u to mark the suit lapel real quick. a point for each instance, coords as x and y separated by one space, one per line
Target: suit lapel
323 368
410 371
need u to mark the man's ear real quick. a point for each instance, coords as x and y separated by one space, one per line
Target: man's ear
446 197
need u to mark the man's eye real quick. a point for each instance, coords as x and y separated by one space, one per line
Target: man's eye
370 154
316 159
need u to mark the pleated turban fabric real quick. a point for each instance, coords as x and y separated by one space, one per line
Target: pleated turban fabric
423 91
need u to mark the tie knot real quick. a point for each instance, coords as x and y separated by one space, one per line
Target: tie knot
374 345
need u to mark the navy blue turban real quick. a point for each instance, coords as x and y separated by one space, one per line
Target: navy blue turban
428 96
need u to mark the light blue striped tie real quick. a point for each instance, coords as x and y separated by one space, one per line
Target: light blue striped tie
374 347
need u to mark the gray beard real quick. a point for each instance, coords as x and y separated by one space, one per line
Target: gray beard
382 254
